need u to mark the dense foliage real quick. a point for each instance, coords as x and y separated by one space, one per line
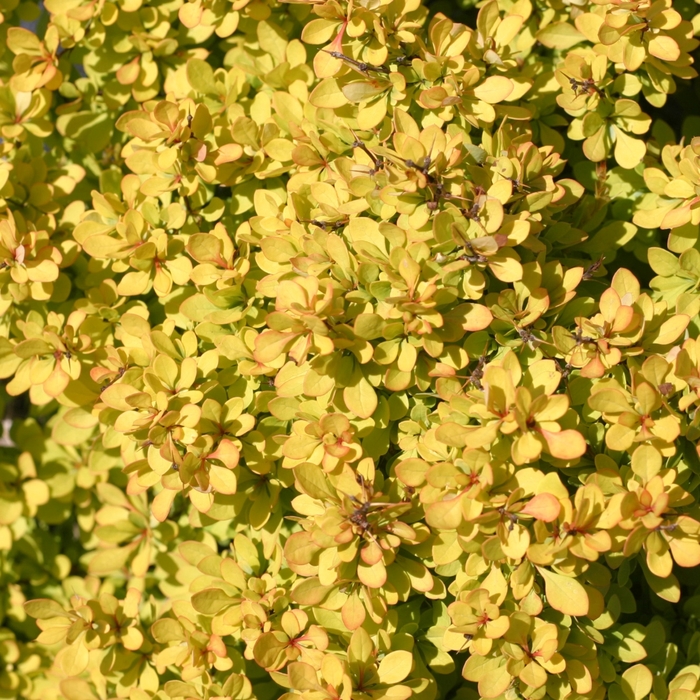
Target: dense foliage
350 350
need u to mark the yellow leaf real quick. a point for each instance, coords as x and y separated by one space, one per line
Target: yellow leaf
646 462
670 330
637 681
595 147
360 90
494 89
73 659
361 398
319 31
445 515
394 667
565 594
628 151
23 41
328 95
664 47
559 35
609 401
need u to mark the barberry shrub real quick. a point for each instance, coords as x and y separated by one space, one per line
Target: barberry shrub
349 350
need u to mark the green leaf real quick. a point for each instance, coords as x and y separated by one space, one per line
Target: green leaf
211 601
560 35
44 609
200 76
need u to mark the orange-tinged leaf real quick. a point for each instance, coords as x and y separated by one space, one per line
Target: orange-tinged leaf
162 502
227 453
544 506
373 576
353 612
567 444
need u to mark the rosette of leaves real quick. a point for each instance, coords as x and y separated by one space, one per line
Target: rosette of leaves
29 261
527 416
352 540
653 39
671 202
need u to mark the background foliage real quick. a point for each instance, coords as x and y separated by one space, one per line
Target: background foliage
349 350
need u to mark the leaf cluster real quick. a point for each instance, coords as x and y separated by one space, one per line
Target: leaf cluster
349 350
